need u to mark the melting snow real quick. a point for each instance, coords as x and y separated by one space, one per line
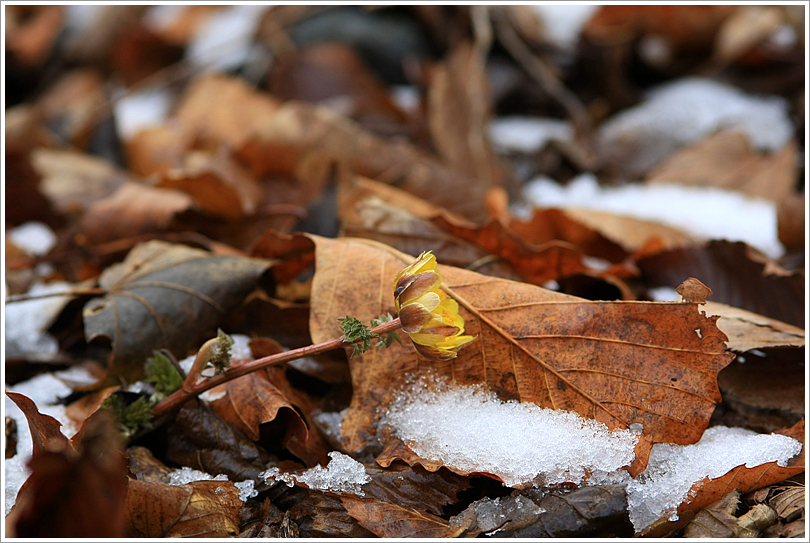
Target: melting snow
187 475
343 474
673 469
470 429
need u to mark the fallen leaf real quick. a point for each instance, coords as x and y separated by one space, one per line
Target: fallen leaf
165 296
251 401
145 467
615 362
75 493
45 430
727 160
747 330
766 387
198 509
741 478
405 502
132 210
219 186
717 520
197 438
740 277
321 515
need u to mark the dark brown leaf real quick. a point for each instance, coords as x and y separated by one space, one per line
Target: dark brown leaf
165 296
45 430
197 438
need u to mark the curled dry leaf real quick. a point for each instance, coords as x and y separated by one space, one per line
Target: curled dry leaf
747 330
45 430
165 296
198 509
615 362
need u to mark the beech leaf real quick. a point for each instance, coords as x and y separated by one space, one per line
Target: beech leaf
165 296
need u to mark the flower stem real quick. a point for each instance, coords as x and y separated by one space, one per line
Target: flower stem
190 390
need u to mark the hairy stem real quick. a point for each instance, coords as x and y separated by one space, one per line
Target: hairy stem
191 389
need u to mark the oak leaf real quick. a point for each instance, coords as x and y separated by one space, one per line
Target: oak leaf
620 363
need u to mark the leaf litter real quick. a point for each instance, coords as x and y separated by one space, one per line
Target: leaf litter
320 140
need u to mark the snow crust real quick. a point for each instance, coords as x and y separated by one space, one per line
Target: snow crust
469 428
703 212
688 109
673 469
342 474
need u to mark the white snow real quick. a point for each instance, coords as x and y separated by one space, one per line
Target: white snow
223 41
33 237
563 23
688 109
187 475
26 322
342 474
470 429
703 212
673 469
528 134
44 390
142 109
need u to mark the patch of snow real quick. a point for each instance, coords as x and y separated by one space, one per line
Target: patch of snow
703 212
329 422
187 475
406 97
688 109
142 109
470 429
26 322
664 294
673 469
33 237
528 134
224 40
563 23
342 474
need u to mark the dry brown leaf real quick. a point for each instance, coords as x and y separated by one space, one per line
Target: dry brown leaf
747 330
45 430
198 509
392 520
615 362
458 107
133 209
219 186
727 160
251 401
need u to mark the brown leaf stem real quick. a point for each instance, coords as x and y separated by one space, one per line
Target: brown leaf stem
191 390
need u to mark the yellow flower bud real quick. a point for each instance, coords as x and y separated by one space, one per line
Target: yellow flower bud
428 316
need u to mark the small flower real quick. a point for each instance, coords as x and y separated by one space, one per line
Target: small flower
427 315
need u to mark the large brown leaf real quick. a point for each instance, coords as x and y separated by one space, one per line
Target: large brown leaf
615 362
165 295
